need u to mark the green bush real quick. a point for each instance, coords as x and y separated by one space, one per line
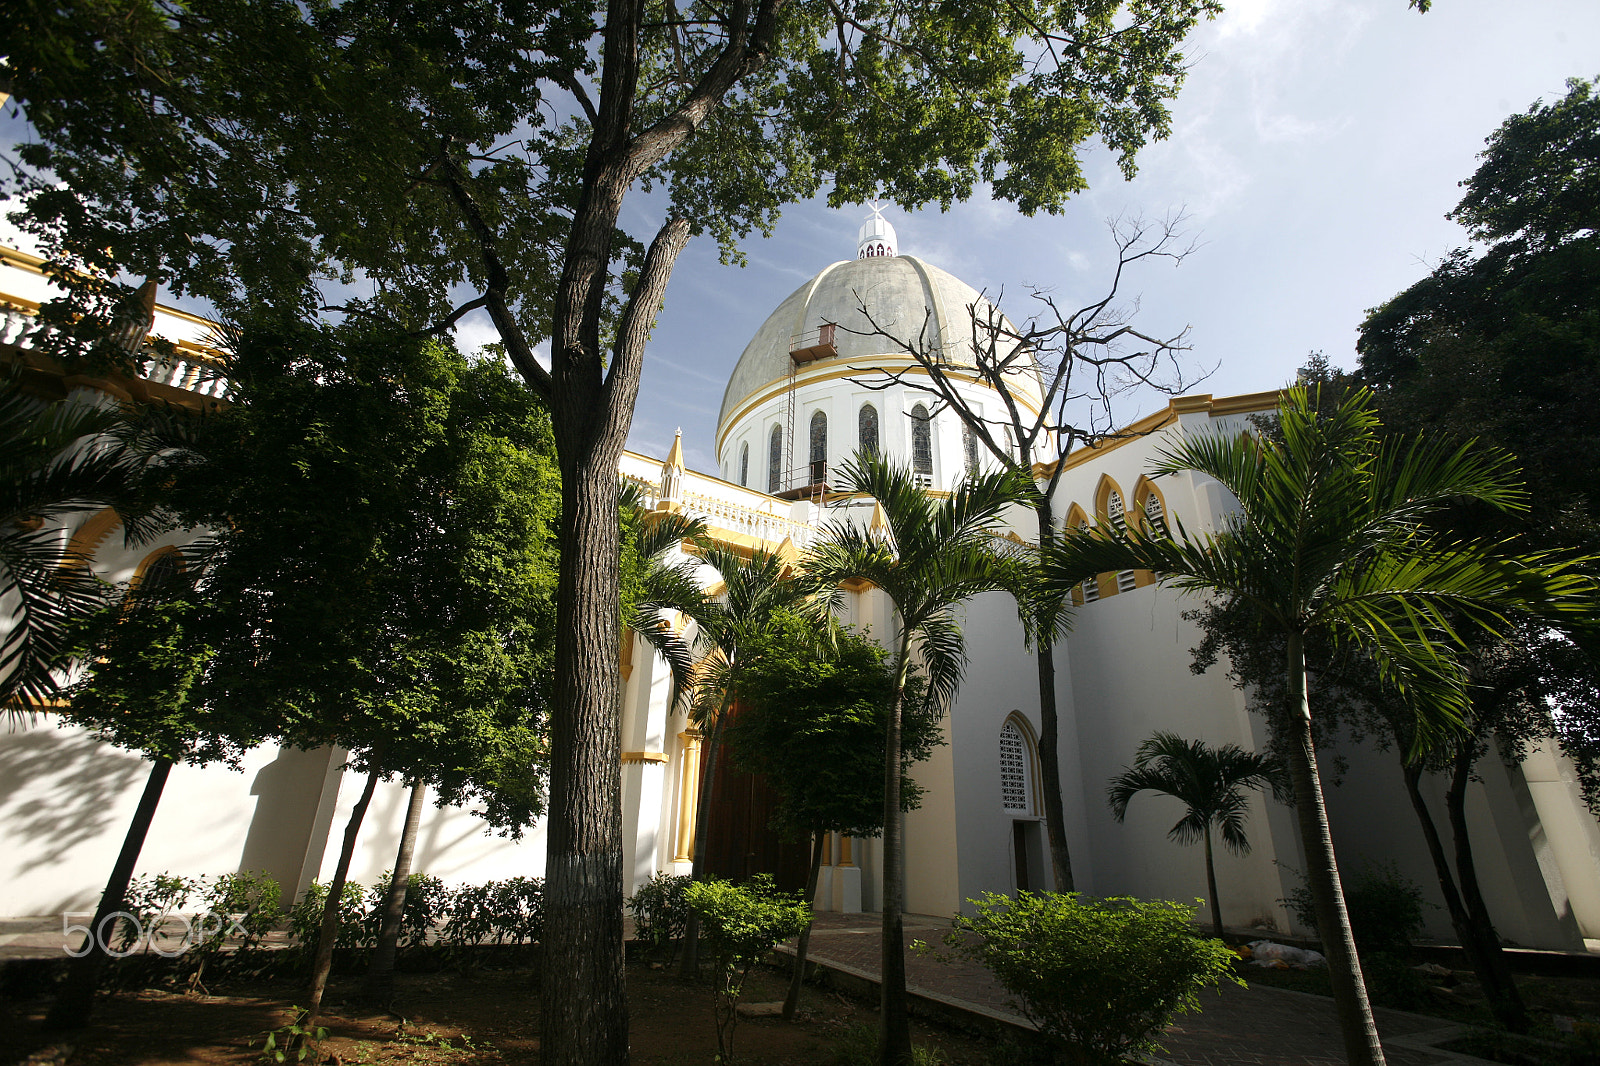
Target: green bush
497 912
305 917
1385 908
660 912
1391 983
1100 978
426 902
739 924
151 901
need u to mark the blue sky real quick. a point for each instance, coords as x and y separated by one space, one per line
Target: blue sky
1316 147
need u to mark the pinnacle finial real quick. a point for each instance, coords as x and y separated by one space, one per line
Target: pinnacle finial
877 237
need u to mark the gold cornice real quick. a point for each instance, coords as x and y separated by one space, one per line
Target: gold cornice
641 757
1245 403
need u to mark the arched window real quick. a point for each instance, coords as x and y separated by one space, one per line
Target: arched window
969 446
744 464
1015 779
921 441
1089 590
159 570
1127 580
819 448
867 430
775 459
1153 507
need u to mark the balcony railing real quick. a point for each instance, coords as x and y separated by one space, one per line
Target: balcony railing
186 369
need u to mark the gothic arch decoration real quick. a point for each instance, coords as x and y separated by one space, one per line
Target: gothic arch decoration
1019 767
1151 507
1110 507
819 447
867 430
744 464
921 441
1089 590
161 567
775 459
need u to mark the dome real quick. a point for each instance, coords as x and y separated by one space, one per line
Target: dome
908 299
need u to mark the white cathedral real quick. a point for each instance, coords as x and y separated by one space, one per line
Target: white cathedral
797 406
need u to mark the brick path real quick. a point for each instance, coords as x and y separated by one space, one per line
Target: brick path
1257 1026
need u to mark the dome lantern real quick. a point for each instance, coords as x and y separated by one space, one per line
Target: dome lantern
877 237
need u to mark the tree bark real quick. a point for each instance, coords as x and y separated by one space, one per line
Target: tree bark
1501 988
791 1002
1211 887
1356 1024
379 987
1055 820
328 935
75 1003
893 1010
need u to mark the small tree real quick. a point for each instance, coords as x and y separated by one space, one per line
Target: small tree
814 713
1209 782
1101 978
927 556
741 923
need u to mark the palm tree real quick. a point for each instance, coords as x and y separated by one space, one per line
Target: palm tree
55 459
1209 782
1330 538
927 556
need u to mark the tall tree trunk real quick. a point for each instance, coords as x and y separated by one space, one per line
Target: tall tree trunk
379 986
1472 939
690 963
1504 998
75 1002
894 1011
328 934
792 1001
1211 886
1055 820
1356 1025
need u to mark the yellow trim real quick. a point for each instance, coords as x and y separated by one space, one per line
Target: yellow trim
643 757
86 542
144 564
779 386
844 851
1246 403
688 794
625 653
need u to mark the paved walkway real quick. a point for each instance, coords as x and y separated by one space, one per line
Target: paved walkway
1257 1026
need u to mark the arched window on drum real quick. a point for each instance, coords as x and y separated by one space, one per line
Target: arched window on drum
744 464
867 430
922 446
775 459
819 448
1019 802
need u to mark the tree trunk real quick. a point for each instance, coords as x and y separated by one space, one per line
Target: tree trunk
1055 820
1211 887
1356 1025
1501 989
1472 940
75 1002
328 935
712 741
379 987
894 1011
791 1002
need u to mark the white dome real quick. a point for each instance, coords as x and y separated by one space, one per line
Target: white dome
908 299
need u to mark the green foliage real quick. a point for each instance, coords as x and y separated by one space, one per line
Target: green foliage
1386 908
386 504
427 902
295 1042
660 911
1102 978
305 917
813 722
1210 782
739 925
859 1046
151 901
499 912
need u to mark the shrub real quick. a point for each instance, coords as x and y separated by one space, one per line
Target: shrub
305 917
151 901
739 924
497 912
1386 908
1100 978
660 912
426 902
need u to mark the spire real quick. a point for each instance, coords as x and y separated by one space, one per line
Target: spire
671 494
880 521
877 237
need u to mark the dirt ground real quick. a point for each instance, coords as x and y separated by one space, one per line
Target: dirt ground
485 1018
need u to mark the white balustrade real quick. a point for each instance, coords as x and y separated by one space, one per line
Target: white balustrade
181 370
